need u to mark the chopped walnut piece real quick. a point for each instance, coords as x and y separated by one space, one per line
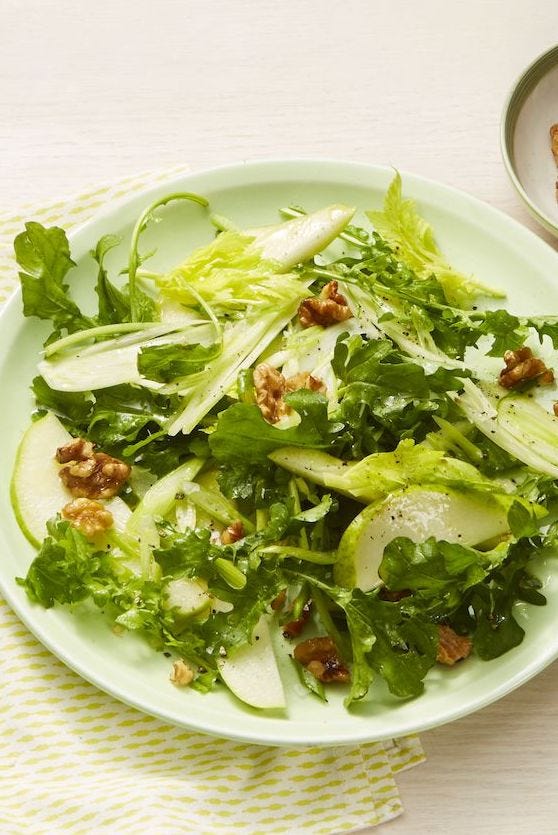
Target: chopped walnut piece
555 409
304 380
451 646
326 309
233 533
90 474
554 141
78 449
522 366
321 658
554 148
89 517
271 386
293 628
278 603
181 674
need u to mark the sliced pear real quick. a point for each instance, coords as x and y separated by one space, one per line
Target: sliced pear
36 490
159 500
252 673
417 513
187 598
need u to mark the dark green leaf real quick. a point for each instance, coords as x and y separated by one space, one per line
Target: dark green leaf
44 257
114 304
545 327
165 363
190 553
521 521
255 485
62 571
405 649
386 397
234 629
242 435
73 407
434 567
506 329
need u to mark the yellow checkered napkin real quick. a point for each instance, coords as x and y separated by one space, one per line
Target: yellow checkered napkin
73 759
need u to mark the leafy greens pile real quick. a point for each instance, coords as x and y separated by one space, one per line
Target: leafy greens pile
410 398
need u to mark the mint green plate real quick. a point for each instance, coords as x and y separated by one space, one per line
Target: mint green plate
477 239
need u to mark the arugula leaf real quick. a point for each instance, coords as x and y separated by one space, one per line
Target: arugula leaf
242 435
193 553
114 304
386 396
508 332
545 326
124 420
165 363
257 486
440 570
384 639
405 647
74 408
44 257
363 637
496 629
475 591
277 524
234 629
127 420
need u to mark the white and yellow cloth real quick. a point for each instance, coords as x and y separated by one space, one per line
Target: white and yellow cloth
73 759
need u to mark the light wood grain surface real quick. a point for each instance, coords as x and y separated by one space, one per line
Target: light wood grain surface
92 91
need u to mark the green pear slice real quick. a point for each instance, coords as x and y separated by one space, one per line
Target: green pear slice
159 500
36 491
417 513
252 673
187 598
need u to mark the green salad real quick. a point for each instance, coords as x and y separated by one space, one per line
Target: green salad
314 446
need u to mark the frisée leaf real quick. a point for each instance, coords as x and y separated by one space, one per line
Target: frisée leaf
401 225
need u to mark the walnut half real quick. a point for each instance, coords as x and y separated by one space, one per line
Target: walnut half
321 658
90 474
451 646
326 309
271 386
554 141
233 533
522 367
554 148
88 516
181 674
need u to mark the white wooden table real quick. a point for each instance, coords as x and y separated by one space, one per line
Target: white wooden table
91 91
